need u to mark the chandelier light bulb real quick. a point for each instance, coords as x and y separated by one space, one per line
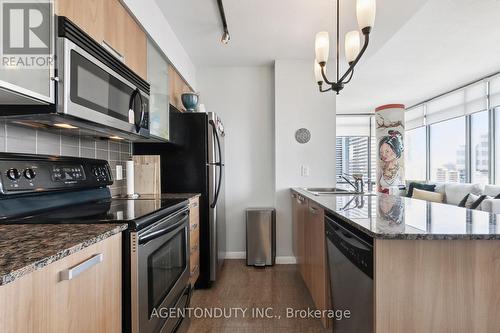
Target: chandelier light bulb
352 45
322 46
317 72
365 11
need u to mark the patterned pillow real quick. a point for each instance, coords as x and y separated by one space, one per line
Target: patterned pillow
420 186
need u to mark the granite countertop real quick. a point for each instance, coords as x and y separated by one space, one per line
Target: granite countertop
29 247
385 216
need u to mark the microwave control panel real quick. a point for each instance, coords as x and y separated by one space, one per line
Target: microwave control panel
25 176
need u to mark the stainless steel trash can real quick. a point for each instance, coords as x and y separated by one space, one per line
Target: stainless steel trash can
261 236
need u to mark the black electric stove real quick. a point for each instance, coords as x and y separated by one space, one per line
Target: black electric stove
66 190
137 213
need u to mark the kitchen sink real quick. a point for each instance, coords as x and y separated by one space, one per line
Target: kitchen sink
328 191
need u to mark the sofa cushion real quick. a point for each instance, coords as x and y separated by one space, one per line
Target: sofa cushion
491 205
427 195
455 192
492 190
420 186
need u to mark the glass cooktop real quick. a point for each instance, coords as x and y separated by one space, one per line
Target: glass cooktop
135 212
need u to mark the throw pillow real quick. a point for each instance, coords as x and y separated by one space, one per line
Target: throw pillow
420 186
427 195
463 201
477 203
474 201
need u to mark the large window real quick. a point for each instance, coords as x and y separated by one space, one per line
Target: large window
480 148
354 147
447 151
415 154
453 137
352 157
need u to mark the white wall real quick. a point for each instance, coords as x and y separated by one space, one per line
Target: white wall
298 103
243 97
262 107
154 22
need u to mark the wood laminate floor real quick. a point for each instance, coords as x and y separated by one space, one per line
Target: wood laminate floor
242 287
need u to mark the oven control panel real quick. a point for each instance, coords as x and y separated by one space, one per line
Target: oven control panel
37 174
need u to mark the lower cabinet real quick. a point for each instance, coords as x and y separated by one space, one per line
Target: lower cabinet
310 246
194 239
51 300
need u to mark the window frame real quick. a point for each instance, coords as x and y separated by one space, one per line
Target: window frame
493 176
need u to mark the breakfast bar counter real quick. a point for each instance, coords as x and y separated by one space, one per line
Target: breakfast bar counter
436 267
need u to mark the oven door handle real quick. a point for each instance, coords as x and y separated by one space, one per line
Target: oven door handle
160 232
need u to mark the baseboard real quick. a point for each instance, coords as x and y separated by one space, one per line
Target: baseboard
236 255
284 260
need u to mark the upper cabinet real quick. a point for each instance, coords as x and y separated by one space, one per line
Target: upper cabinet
111 25
27 69
176 87
158 98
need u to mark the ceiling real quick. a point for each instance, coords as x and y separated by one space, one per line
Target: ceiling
418 49
265 30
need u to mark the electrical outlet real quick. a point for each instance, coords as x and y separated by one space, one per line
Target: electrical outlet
304 170
119 172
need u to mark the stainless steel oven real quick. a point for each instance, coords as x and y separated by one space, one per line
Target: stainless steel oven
159 273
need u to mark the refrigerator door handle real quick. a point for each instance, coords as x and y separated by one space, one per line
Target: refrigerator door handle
218 164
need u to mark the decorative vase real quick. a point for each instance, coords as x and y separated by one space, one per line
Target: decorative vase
190 101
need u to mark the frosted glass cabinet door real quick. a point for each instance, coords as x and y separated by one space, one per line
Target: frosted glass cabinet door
158 101
27 65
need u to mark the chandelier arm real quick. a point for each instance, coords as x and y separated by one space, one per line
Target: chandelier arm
350 77
351 67
324 75
324 90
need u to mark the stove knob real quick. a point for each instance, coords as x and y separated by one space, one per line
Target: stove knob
13 174
29 174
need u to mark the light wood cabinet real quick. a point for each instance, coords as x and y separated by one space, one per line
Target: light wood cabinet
309 244
109 23
89 302
319 286
194 239
176 87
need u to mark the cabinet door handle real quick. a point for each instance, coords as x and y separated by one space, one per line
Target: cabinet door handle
113 51
73 272
193 272
313 210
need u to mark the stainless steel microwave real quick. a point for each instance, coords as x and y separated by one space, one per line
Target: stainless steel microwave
95 91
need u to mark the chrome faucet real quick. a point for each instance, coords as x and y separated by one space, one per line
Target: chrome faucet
358 184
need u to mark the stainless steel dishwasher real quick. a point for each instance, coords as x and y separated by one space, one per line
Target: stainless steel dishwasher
350 260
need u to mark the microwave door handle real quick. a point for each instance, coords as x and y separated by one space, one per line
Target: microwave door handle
143 240
136 93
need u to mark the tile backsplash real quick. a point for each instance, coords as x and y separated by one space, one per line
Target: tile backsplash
19 139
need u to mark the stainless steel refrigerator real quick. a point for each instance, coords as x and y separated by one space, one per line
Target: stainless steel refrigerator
193 162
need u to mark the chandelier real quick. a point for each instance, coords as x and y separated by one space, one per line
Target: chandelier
365 12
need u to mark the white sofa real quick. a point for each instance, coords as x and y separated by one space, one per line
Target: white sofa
455 192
